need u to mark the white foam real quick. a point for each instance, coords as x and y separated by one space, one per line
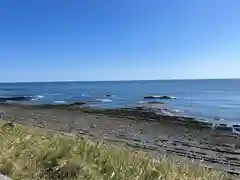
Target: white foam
59 102
40 96
37 97
177 111
104 100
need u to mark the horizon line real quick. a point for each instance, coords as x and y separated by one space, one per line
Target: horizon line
66 81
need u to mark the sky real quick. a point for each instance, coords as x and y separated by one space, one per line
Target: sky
91 40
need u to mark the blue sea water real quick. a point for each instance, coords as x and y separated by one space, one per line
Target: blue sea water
199 98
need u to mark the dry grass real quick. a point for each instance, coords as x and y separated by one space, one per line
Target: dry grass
27 155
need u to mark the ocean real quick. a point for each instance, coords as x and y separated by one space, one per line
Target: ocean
208 99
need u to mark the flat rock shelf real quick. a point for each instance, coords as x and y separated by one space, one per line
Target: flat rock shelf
183 138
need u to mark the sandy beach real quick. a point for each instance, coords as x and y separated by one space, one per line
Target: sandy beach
183 138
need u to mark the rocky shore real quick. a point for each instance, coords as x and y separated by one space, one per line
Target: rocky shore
139 128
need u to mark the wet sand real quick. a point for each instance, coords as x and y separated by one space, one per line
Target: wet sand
161 135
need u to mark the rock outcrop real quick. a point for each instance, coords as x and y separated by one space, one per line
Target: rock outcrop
159 97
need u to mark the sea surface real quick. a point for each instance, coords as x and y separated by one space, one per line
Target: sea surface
209 99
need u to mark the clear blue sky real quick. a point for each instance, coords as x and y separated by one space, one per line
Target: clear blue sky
54 40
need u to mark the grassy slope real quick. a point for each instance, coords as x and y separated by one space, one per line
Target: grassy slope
27 154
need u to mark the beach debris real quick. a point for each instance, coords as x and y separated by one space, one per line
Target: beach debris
159 97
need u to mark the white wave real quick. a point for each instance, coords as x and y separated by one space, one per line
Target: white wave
59 102
40 96
104 100
37 97
177 111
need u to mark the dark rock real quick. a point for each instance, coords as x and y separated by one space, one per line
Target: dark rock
168 97
93 126
159 97
135 139
236 125
15 98
78 103
232 172
222 127
152 97
232 158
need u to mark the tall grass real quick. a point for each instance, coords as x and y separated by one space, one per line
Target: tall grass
26 154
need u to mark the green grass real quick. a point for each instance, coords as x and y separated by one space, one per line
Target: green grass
28 154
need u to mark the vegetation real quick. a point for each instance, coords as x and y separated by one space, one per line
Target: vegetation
28 154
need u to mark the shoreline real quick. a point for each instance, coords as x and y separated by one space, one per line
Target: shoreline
184 137
158 104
